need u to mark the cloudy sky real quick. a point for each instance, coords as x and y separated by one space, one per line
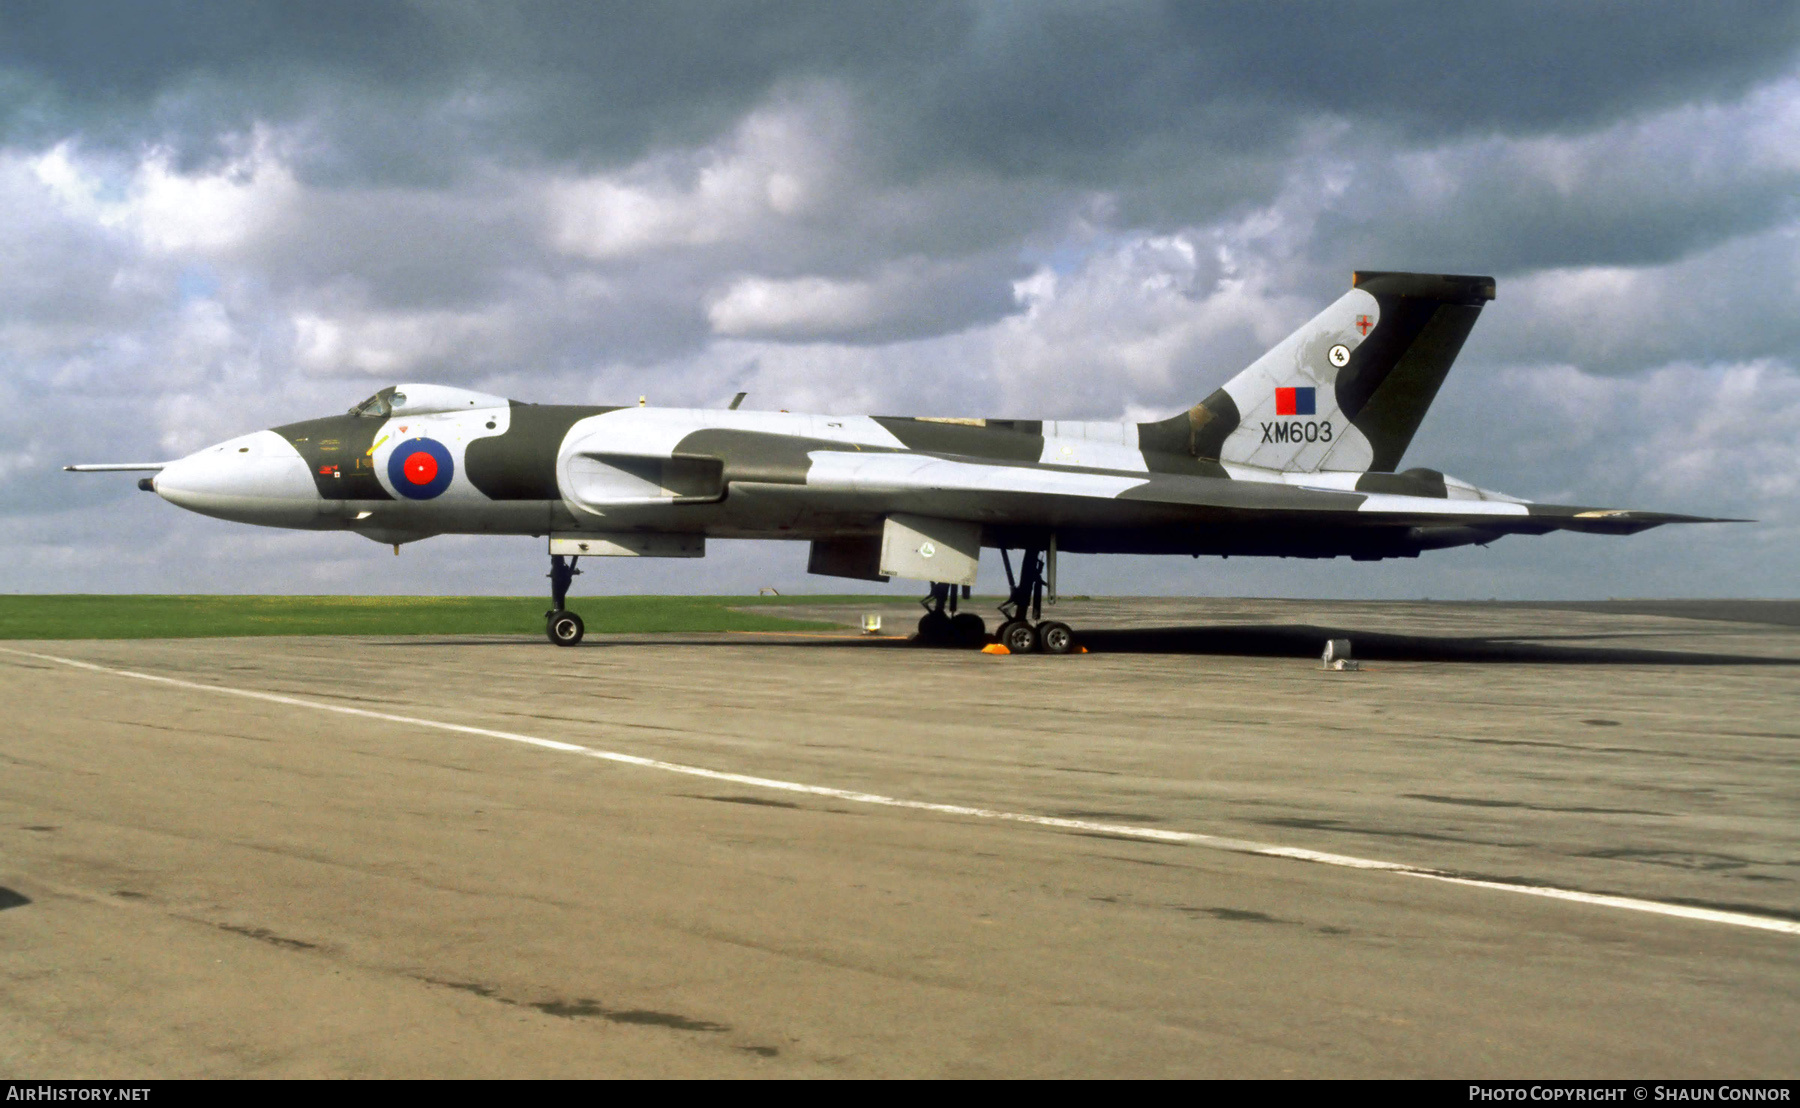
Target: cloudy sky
216 217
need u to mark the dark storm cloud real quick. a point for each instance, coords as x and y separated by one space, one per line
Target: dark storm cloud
1171 85
1728 305
400 89
1074 91
994 115
1643 192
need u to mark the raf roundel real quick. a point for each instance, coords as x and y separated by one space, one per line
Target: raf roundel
420 469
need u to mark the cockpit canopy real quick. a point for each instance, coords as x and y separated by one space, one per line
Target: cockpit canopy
424 400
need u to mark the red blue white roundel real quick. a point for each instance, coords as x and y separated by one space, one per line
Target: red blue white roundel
420 469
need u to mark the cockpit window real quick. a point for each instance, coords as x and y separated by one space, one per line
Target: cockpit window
425 399
379 406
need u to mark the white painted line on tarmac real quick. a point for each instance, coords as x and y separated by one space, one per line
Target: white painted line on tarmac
1153 834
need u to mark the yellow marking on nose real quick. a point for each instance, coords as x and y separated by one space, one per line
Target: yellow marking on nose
377 445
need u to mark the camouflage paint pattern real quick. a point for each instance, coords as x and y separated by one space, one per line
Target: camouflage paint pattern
1297 456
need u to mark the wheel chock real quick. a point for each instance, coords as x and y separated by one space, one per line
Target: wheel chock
995 648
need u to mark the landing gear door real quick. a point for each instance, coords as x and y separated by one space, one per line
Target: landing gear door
923 549
856 557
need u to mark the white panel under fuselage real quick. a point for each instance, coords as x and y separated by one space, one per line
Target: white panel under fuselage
837 471
1431 505
1092 446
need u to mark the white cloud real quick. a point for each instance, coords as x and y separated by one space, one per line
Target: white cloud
212 214
814 306
394 344
758 305
777 165
1150 318
1682 434
169 212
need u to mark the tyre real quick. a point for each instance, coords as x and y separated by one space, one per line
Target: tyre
1019 637
564 628
934 628
1055 638
968 629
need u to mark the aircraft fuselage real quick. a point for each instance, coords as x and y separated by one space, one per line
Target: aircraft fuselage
508 468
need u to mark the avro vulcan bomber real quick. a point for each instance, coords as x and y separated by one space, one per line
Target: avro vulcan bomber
1297 456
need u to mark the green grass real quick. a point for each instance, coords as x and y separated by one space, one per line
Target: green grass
160 617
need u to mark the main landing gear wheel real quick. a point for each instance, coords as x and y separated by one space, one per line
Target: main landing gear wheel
942 625
1021 634
1018 636
935 628
968 629
564 628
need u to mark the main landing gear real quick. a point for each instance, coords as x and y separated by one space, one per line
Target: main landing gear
943 625
562 626
1024 609
1025 629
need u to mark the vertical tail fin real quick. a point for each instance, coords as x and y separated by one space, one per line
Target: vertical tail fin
1348 390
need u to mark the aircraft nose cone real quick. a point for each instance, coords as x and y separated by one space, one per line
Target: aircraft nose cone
257 478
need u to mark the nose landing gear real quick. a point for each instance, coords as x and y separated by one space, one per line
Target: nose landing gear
563 627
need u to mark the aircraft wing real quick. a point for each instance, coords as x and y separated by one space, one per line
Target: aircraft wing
981 490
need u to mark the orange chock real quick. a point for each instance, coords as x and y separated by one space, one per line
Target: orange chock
995 648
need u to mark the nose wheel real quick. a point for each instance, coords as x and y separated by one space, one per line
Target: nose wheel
563 627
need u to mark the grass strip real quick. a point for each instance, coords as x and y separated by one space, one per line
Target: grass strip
84 616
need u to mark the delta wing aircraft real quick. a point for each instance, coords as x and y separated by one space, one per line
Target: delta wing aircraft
1297 456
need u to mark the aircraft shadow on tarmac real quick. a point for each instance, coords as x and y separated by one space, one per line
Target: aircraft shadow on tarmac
1266 641
1307 641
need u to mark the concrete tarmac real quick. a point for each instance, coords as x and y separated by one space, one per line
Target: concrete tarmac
201 884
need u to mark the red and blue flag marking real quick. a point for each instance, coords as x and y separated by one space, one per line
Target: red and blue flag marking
420 469
1296 401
